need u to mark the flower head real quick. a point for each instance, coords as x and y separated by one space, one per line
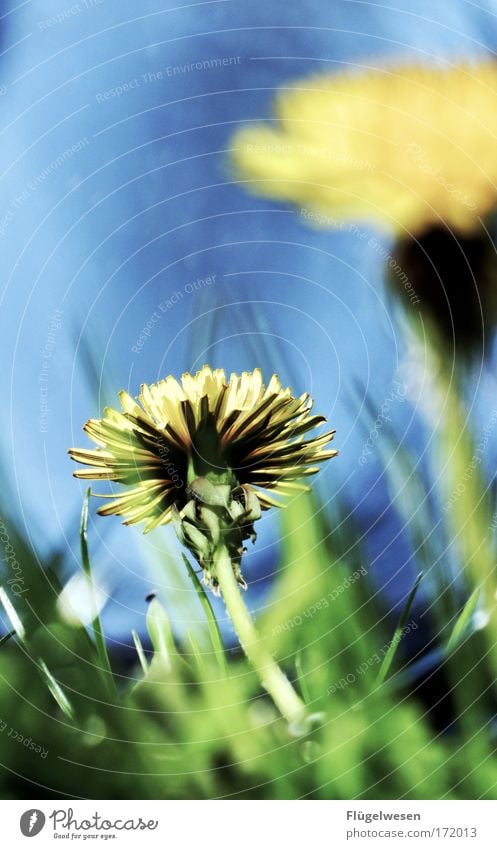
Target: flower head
205 453
407 146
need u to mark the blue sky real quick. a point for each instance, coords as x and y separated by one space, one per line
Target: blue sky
118 199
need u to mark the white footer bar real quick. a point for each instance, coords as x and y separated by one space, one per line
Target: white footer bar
248 824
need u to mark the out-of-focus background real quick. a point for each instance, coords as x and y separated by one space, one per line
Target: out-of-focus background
130 251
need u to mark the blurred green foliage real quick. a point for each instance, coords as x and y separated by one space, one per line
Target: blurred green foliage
190 721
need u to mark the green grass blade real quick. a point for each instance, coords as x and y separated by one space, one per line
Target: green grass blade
100 643
301 678
462 621
12 616
214 632
161 635
392 649
7 637
140 651
196 652
56 690
18 630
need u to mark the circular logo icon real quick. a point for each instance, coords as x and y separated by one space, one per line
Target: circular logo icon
32 822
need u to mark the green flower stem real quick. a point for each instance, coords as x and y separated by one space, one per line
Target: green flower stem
273 679
468 503
101 645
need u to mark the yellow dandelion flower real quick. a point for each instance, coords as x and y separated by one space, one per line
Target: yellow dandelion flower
206 453
407 146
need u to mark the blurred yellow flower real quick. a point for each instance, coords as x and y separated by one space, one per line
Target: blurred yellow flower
407 146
